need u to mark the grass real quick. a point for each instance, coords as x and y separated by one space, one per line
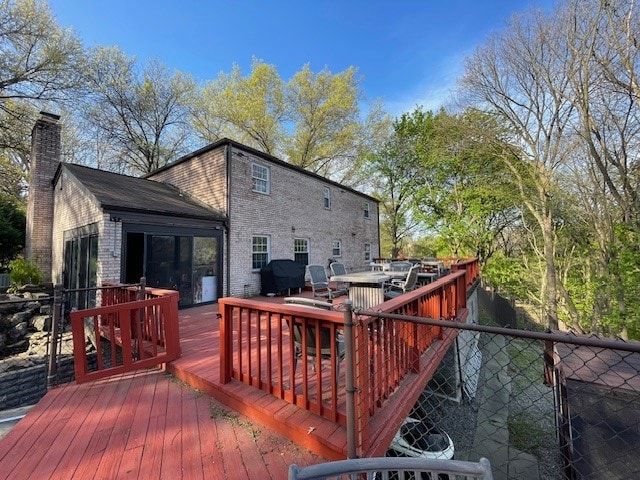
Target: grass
525 433
526 365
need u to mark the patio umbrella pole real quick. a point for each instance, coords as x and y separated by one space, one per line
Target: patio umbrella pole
348 356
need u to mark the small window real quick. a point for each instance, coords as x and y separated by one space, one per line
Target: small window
301 250
367 252
367 211
260 176
336 251
260 252
327 198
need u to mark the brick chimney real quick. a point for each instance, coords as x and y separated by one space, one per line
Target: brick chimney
45 157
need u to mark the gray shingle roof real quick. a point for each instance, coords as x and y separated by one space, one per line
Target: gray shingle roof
122 192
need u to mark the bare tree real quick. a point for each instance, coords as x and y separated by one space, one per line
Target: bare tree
520 75
142 117
605 60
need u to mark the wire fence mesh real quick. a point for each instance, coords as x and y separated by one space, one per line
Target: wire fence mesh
537 405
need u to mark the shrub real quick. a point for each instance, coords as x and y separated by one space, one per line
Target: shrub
23 272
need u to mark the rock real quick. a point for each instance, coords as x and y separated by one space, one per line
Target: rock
42 323
3 341
46 309
20 317
19 331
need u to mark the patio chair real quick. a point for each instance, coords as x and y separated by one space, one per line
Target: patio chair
325 335
338 268
320 283
394 467
398 287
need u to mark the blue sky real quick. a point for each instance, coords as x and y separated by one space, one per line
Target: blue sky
407 53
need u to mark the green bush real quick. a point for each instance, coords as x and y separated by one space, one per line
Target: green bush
23 272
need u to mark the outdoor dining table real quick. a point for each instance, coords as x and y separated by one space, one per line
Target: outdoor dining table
366 289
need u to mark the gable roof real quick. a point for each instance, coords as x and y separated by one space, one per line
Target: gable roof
264 156
124 193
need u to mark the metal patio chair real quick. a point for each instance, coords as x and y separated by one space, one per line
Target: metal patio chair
310 334
397 287
320 283
383 468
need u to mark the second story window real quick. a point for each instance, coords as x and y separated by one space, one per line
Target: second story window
260 177
336 251
327 198
367 210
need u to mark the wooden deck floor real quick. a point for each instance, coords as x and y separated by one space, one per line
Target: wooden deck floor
148 425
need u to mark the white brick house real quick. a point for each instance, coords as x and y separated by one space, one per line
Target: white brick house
204 224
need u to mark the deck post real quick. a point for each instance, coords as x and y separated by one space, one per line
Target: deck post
56 315
350 390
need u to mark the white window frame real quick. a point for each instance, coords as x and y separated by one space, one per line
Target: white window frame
326 200
367 252
260 252
367 210
260 180
337 246
301 241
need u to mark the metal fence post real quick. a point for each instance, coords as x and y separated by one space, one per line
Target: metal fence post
53 345
349 387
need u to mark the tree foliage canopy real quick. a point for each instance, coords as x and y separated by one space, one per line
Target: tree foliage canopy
12 230
313 120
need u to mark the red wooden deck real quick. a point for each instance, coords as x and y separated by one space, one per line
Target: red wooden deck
199 366
147 425
143 425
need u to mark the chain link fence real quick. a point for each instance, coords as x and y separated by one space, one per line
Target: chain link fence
537 405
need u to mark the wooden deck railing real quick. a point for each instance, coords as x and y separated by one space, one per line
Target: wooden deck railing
471 268
142 332
257 348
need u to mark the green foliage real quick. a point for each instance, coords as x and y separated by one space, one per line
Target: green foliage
313 120
23 272
12 230
508 275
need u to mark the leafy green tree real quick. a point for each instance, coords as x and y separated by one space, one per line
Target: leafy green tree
465 197
313 120
248 109
396 175
12 230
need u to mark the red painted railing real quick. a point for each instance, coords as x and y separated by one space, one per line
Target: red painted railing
142 333
471 268
257 348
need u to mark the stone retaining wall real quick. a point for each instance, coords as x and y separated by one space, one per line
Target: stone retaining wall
27 386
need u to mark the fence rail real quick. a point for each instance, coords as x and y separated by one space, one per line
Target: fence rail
140 324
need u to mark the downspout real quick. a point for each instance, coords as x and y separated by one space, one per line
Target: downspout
228 262
378 228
